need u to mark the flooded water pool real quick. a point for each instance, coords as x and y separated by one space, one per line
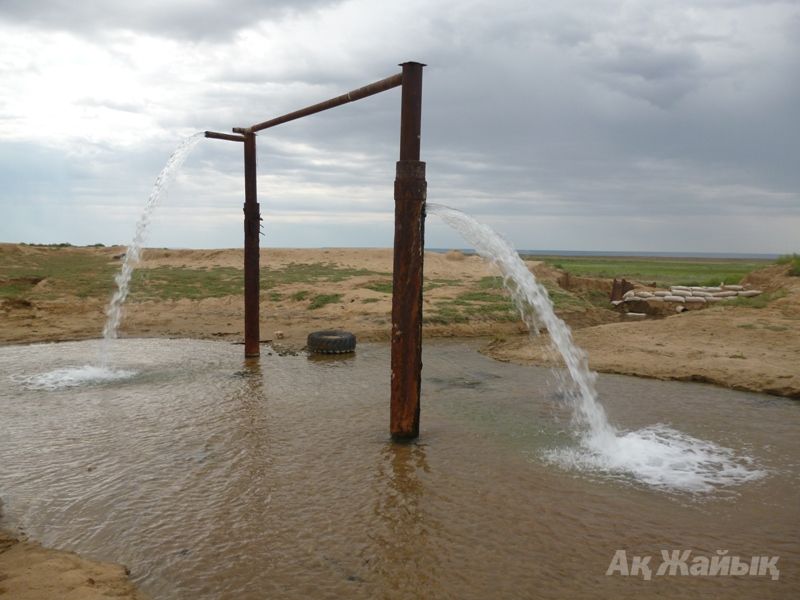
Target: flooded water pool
213 477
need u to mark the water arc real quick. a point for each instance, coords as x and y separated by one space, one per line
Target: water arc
657 455
133 253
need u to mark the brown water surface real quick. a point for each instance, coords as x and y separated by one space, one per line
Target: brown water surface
211 477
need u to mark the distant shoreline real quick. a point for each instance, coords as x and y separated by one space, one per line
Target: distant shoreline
766 257
633 254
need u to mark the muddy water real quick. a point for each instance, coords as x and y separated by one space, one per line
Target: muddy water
214 478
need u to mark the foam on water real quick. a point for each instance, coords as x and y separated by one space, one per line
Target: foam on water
658 455
74 377
662 457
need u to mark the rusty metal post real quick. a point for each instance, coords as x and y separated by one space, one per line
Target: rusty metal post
252 227
410 190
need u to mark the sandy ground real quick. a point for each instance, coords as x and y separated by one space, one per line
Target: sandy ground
753 349
70 318
756 349
30 572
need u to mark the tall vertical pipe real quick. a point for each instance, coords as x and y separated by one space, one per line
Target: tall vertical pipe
410 192
252 227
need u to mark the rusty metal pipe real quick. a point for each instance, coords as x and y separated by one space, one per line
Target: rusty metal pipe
224 136
410 193
252 226
362 92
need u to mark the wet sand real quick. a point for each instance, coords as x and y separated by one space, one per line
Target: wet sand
29 571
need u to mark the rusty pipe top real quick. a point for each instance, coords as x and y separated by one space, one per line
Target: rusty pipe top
357 94
224 136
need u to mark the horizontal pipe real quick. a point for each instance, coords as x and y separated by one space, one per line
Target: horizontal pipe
224 136
362 92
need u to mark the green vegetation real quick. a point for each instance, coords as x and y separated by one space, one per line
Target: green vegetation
472 305
61 245
59 269
490 283
321 300
756 301
793 260
444 314
299 296
174 283
370 300
564 300
294 273
491 302
432 284
384 286
663 271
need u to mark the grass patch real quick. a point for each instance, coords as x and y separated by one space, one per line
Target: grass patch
384 286
323 299
663 271
174 283
432 284
299 296
596 298
370 300
472 305
296 273
65 269
274 297
756 301
490 283
481 296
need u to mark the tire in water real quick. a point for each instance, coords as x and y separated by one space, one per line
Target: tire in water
331 341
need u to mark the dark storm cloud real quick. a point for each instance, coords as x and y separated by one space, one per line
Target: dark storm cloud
173 18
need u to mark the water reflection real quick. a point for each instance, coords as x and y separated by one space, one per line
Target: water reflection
405 560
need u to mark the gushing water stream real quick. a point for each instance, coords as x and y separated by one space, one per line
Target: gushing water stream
657 455
102 372
133 254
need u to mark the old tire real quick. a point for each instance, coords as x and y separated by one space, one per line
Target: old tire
331 341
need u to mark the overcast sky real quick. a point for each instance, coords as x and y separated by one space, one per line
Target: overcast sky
632 125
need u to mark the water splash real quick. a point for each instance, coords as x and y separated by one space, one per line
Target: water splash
133 254
73 377
659 455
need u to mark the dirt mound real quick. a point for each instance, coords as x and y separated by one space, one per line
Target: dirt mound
574 283
771 279
454 255
543 271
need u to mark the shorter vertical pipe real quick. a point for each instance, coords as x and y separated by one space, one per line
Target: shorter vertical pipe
252 227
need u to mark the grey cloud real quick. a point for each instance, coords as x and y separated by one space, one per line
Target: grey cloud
189 20
661 77
651 64
535 115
